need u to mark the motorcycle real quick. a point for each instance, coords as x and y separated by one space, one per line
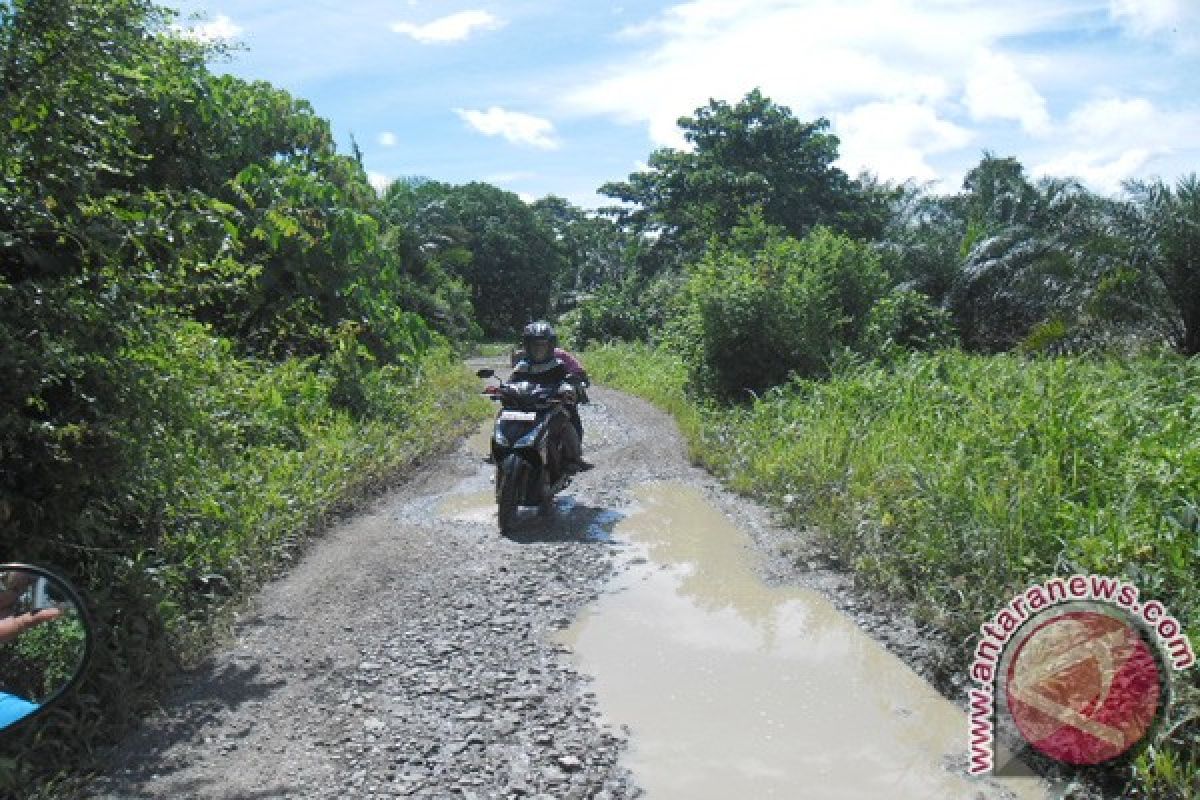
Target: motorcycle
529 458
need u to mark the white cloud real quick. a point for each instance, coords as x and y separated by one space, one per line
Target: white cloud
499 178
893 140
387 139
379 181
514 126
221 29
996 90
819 57
1101 172
1175 21
452 28
1107 140
1146 17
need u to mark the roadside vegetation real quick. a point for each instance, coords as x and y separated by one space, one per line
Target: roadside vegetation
211 335
961 395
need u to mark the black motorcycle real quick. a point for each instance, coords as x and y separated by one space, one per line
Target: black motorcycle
528 454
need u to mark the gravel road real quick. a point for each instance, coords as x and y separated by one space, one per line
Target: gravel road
409 653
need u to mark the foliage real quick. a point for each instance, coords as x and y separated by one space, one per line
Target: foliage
596 251
207 337
631 310
905 320
44 658
954 481
1159 286
243 458
1017 263
489 239
750 318
753 154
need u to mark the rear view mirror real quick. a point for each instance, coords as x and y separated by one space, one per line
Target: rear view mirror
45 641
485 373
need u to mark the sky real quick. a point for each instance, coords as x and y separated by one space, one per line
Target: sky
561 96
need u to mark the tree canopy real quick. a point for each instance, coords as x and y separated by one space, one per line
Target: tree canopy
505 253
754 154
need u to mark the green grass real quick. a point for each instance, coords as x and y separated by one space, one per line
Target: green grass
952 481
491 349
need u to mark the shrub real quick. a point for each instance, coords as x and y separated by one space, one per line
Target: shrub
906 320
629 311
749 320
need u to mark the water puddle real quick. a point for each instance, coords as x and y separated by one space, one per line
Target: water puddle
479 443
732 688
470 507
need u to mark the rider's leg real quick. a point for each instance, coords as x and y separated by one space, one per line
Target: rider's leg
572 450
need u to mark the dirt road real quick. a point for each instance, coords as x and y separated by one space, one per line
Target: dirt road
414 652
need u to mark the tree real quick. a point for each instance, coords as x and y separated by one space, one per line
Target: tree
596 250
489 239
1030 255
1160 285
754 154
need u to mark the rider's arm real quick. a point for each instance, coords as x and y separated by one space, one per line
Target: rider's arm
569 361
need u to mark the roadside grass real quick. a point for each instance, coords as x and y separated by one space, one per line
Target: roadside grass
240 463
492 349
953 481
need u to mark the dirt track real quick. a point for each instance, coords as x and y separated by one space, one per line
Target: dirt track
410 653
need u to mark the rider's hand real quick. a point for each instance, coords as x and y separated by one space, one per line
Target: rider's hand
13 626
12 585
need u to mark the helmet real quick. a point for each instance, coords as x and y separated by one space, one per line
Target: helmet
539 341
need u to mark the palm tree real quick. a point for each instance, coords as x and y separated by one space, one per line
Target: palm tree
1161 282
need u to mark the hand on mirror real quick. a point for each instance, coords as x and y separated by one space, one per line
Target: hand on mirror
13 626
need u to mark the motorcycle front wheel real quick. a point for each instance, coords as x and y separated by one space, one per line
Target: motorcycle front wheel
509 490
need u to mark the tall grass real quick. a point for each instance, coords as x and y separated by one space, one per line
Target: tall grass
953 481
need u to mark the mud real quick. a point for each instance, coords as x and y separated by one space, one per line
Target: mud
734 688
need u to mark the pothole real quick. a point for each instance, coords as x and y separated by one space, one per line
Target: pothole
734 688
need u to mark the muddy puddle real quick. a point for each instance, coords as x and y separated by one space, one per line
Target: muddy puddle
471 507
480 442
732 688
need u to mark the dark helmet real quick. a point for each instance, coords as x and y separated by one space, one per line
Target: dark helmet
539 341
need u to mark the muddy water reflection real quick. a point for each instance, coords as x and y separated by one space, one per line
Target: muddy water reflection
480 442
733 688
471 507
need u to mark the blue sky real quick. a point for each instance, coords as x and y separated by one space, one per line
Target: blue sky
560 97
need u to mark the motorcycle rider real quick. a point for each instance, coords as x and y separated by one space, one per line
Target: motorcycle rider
542 366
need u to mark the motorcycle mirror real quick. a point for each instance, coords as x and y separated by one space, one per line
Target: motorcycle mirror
485 373
45 641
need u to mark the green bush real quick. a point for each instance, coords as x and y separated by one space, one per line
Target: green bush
905 320
752 318
231 461
44 658
629 311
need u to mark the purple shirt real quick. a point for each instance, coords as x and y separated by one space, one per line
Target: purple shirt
569 361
